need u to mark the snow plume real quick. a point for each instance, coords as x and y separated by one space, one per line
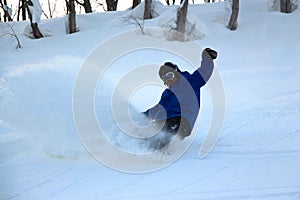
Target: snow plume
5 97
53 130
36 11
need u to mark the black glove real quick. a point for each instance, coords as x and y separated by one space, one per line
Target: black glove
212 53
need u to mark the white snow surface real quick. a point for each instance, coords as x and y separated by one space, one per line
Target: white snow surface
256 157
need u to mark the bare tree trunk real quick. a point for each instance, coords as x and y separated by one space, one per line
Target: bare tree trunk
147 10
282 6
285 6
181 17
35 28
112 5
72 16
19 10
3 5
23 10
86 5
49 8
135 3
232 25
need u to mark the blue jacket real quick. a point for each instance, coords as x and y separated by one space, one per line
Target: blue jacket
183 99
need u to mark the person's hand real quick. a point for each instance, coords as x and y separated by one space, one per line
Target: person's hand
210 52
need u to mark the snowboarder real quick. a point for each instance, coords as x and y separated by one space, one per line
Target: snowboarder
179 105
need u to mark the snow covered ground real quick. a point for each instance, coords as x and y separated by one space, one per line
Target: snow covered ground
256 157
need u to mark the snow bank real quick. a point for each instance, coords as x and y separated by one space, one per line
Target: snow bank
29 91
49 27
163 16
194 28
166 17
157 8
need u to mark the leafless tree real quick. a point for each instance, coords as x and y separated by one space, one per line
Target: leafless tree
21 9
11 33
86 4
5 9
181 17
285 6
111 5
233 24
147 10
135 21
34 25
135 3
71 16
100 4
52 10
168 2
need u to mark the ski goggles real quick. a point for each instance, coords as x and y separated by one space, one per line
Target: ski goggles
168 76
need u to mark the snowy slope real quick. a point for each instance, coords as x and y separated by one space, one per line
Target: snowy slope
256 157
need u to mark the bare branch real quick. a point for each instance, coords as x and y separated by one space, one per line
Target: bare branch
45 14
134 20
135 3
13 35
79 3
5 10
103 6
147 9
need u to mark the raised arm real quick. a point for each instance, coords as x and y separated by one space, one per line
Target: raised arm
207 63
